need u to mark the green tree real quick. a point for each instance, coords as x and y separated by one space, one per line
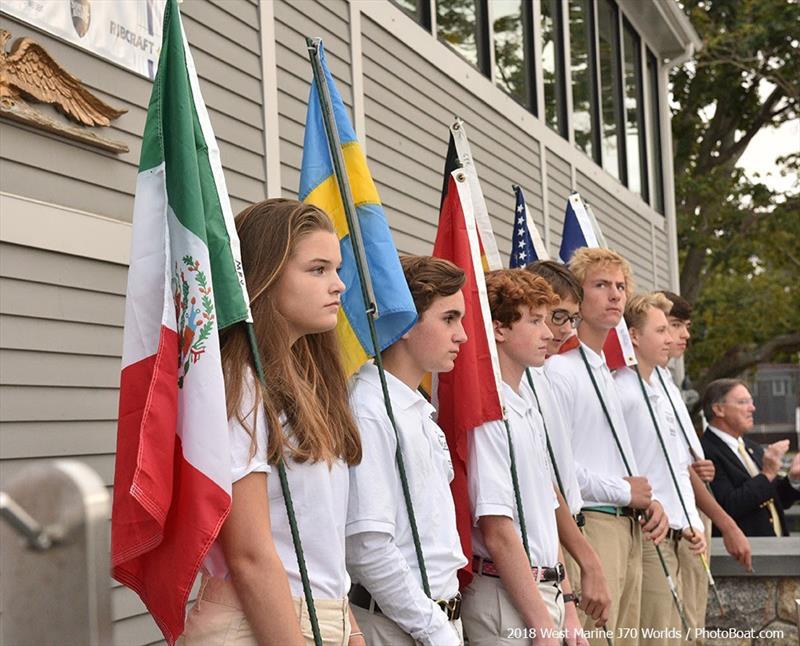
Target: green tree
738 241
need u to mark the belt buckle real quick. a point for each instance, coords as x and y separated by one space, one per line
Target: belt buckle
560 572
451 607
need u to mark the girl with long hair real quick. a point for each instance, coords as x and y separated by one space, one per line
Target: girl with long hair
251 591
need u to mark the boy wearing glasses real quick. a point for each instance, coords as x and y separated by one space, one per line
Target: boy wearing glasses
582 563
614 494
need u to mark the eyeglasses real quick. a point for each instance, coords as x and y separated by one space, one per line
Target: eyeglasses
740 402
559 317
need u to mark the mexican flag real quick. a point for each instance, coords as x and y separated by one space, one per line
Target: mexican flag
172 483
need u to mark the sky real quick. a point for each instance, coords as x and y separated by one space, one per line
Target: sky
768 145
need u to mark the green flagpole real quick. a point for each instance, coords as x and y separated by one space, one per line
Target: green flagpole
550 451
287 499
370 304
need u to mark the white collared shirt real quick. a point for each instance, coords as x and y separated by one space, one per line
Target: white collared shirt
377 506
598 465
558 433
673 392
648 451
491 489
319 493
731 442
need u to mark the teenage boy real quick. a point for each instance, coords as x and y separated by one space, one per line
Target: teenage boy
654 436
694 580
515 596
583 566
614 495
387 595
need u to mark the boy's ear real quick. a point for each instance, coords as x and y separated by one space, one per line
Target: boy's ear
634 336
499 331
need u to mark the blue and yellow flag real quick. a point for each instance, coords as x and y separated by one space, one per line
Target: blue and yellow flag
318 187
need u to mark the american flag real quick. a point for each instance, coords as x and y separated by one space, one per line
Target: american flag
522 251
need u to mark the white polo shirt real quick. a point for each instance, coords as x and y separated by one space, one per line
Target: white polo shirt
598 465
648 451
674 394
491 489
557 432
377 503
319 494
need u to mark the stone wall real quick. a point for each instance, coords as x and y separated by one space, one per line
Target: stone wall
761 608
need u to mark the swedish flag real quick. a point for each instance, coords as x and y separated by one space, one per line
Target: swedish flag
318 186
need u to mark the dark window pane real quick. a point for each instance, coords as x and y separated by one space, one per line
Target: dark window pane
457 25
657 194
553 66
411 7
509 49
419 10
634 115
582 69
608 44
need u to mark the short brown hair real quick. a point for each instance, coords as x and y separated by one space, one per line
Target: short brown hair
715 392
681 308
429 277
559 277
587 258
510 289
639 304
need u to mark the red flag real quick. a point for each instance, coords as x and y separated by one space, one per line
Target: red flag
468 395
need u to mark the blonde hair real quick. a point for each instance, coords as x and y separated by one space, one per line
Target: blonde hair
586 259
639 304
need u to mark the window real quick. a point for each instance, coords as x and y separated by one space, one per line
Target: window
418 10
635 148
657 194
582 74
463 25
513 64
612 141
555 108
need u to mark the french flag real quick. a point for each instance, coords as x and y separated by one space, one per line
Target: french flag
581 230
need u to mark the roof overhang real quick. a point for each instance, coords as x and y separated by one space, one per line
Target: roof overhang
665 26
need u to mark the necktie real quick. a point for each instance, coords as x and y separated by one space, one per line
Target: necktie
753 470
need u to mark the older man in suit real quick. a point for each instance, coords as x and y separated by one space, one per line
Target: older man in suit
746 482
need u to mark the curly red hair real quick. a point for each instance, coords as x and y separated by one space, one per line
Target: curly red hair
510 289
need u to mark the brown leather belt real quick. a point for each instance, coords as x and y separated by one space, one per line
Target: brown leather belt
360 596
546 574
674 534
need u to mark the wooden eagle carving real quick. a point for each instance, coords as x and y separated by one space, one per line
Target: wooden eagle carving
27 71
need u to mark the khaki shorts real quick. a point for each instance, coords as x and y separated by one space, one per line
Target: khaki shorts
217 619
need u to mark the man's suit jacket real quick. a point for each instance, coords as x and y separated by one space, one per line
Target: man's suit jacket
743 496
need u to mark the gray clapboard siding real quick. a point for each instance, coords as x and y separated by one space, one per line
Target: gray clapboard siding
625 231
23 333
39 300
662 261
26 368
559 187
37 439
41 266
293 22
